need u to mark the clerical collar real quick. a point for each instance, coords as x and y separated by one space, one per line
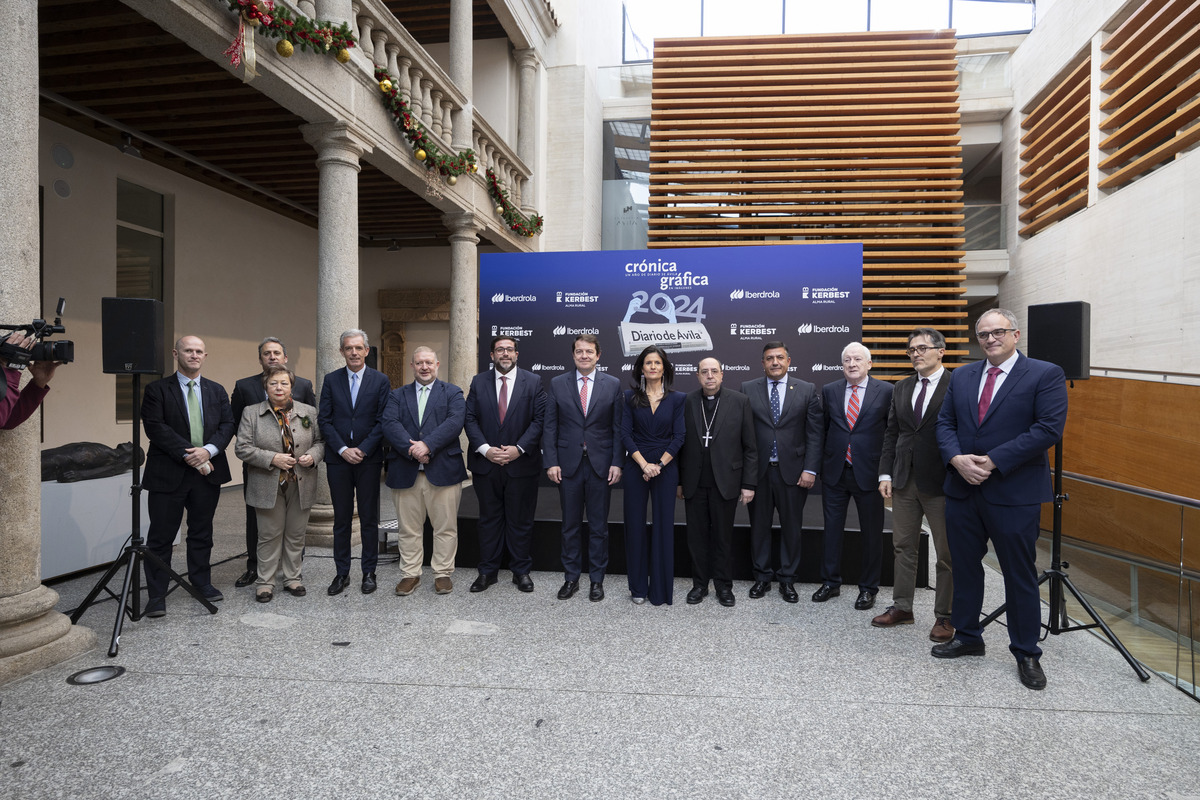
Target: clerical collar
710 397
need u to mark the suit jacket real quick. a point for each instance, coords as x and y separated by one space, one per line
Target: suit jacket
338 419
910 448
445 413
567 430
734 446
259 439
798 434
1025 418
522 422
165 419
866 439
249 391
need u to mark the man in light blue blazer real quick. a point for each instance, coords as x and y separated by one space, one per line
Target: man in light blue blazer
581 453
422 422
998 419
350 412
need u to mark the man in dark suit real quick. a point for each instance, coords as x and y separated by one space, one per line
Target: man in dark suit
581 452
506 410
422 422
249 391
188 424
996 423
352 403
788 424
911 474
718 466
856 410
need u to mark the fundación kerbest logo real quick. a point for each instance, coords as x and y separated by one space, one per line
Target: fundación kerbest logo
501 297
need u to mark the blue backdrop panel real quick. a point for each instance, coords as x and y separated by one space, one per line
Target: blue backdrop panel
724 302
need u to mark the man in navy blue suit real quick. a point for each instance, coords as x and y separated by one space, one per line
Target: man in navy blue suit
856 412
506 409
422 422
352 403
581 453
188 424
997 421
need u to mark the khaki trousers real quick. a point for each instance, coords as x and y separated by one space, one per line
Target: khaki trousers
281 538
908 506
440 504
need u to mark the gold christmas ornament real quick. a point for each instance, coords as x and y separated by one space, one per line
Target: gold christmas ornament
474 168
500 210
284 48
343 55
452 180
385 86
420 154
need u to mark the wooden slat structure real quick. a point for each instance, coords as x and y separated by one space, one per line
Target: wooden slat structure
850 137
1152 84
1054 158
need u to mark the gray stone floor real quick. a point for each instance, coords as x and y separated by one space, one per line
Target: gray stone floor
505 694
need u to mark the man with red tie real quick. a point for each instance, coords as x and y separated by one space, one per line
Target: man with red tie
998 419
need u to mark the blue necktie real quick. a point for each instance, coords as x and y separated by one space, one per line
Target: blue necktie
774 417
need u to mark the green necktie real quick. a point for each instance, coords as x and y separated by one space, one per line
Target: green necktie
194 421
422 393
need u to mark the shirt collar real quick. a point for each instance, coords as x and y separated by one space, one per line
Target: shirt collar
183 380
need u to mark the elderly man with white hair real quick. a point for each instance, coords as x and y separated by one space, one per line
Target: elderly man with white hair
856 413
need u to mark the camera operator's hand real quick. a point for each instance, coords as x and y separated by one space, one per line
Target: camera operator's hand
42 372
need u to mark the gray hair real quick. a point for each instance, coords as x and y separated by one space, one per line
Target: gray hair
271 340
424 349
351 334
856 346
1004 312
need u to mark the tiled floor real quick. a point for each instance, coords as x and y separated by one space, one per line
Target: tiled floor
503 694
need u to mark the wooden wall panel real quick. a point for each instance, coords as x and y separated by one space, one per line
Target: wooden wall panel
1054 155
821 138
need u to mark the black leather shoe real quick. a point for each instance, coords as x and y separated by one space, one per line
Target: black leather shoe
523 582
597 592
825 592
788 592
759 589
248 577
210 593
368 584
482 582
568 590
339 584
865 600
697 594
725 597
1031 673
957 647
156 607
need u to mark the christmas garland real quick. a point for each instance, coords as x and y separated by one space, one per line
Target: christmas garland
419 139
517 222
293 30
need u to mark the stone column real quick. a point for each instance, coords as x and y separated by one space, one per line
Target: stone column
462 46
336 11
464 296
527 61
32 634
339 147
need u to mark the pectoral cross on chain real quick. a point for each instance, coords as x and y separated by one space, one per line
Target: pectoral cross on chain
706 437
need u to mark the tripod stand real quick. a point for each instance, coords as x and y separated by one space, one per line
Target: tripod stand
1059 622
130 599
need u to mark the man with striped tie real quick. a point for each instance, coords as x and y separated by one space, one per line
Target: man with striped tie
856 412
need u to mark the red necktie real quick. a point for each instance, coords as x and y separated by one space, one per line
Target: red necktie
985 399
583 395
852 417
503 397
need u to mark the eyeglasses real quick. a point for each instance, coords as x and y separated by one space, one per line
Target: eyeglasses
919 350
999 333
504 349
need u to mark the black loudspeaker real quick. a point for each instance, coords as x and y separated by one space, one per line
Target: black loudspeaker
1061 333
132 331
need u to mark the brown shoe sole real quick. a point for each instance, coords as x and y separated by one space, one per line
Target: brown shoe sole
406 592
443 589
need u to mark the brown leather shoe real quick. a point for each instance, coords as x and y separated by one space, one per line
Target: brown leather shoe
443 585
406 586
942 631
892 617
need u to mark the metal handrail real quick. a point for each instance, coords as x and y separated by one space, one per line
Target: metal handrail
1138 490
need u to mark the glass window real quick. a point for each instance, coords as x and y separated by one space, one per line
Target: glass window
909 15
977 17
139 262
821 16
139 206
743 17
647 20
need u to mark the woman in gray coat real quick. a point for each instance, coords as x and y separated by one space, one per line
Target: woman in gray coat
281 445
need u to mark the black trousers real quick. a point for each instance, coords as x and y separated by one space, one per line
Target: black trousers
710 536
346 483
774 493
199 499
506 508
835 499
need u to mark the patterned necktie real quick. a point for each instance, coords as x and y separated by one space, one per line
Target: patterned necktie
503 397
919 410
422 395
985 399
774 418
195 423
852 417
583 395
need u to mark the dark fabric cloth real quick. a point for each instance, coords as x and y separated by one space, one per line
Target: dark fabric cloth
710 537
835 499
348 483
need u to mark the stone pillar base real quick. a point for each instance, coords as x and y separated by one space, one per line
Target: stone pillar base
37 636
320 528
78 639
